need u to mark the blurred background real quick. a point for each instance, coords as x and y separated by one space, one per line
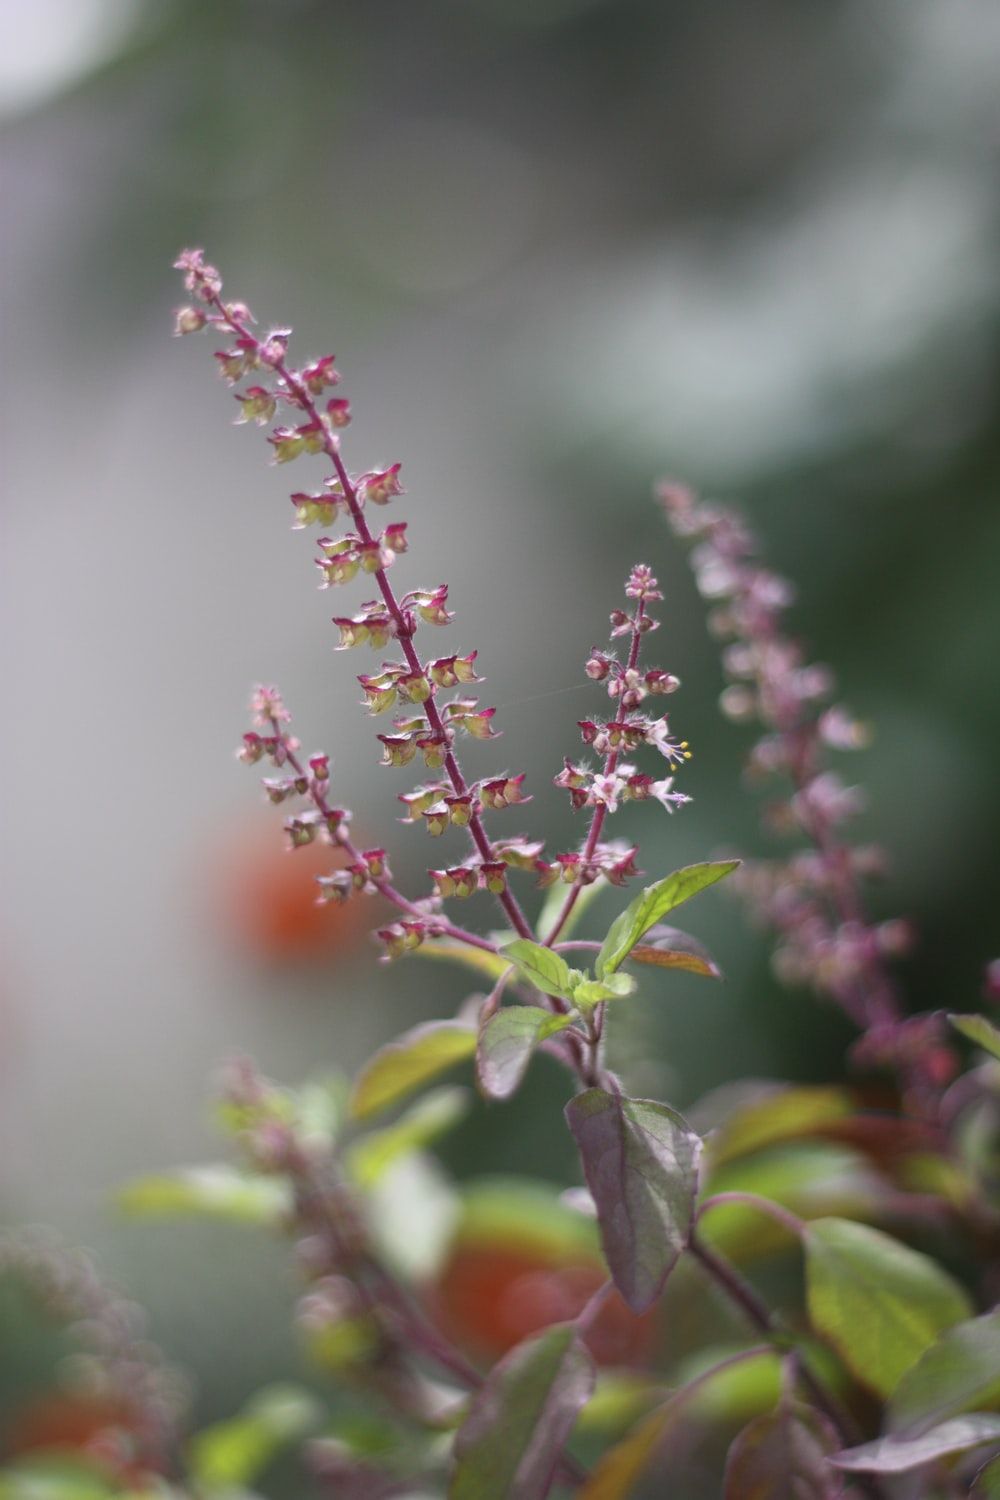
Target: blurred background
560 248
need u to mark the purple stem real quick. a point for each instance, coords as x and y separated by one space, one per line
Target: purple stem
404 628
382 885
776 1211
600 811
741 1293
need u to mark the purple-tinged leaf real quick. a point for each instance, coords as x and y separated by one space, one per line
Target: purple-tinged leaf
623 1466
341 1473
507 1043
669 948
897 1455
961 1371
640 1160
653 903
519 1422
783 1456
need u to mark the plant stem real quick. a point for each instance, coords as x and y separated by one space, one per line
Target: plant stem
775 1211
600 811
382 885
741 1293
404 631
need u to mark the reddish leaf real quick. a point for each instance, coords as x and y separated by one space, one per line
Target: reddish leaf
669 948
513 1438
507 1043
640 1160
783 1456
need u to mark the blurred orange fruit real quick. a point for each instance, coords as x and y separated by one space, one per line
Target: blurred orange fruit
489 1298
267 901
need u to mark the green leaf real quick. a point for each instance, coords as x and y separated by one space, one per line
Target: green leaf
653 903
621 1398
234 1453
986 1485
669 948
51 1477
979 1030
780 1455
612 987
413 1059
621 1467
897 1455
546 970
960 1372
640 1160
370 1157
412 1213
709 1395
879 1303
214 1192
737 1392
507 1044
782 1114
519 1422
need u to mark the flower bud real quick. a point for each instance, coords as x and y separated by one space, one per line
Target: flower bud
434 748
431 605
417 801
339 568
399 749
235 363
393 538
319 765
461 810
251 749
414 686
189 320
302 829
377 863
320 374
494 876
436 818
380 487
274 348
335 888
522 853
279 789
462 881
598 665
661 682
502 792
256 405
287 443
311 510
641 584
